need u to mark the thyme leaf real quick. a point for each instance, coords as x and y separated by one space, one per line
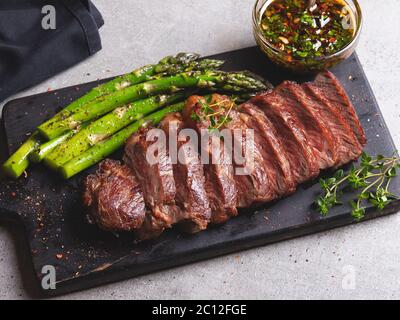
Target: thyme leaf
371 179
217 113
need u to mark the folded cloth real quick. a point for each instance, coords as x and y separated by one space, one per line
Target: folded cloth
38 41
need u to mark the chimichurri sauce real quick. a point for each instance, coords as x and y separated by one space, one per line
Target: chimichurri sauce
290 27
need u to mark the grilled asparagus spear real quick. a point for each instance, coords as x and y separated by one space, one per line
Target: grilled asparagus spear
15 166
104 148
106 126
47 147
182 62
168 65
235 82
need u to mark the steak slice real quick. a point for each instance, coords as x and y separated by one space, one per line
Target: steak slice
191 196
334 92
292 135
114 197
258 183
273 146
319 135
219 175
348 146
156 179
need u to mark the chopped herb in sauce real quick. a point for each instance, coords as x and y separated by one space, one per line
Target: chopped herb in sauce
303 35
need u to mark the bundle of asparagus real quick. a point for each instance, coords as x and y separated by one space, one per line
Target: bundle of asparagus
97 124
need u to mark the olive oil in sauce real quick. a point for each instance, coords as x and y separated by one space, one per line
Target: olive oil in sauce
302 34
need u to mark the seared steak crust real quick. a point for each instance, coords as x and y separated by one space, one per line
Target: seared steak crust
348 146
269 138
191 196
259 183
157 181
114 197
292 135
334 92
219 175
318 134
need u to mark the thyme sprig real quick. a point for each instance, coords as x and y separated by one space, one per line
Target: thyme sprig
373 178
218 113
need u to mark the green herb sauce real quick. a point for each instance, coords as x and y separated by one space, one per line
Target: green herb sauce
302 34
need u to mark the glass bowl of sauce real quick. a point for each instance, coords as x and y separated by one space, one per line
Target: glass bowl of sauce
305 40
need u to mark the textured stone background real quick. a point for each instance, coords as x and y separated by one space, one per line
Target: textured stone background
141 31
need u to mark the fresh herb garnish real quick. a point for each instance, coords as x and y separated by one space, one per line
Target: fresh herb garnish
372 179
217 113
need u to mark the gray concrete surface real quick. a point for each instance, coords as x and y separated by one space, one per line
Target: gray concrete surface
312 267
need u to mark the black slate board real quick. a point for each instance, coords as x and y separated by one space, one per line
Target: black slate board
50 210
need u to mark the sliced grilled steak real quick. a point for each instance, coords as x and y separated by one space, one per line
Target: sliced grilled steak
259 182
273 146
348 146
334 92
292 135
319 135
114 197
189 178
220 182
156 179
298 130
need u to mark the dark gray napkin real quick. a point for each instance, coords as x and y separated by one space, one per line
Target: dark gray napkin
30 53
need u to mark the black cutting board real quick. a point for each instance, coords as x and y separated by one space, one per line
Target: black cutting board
50 208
